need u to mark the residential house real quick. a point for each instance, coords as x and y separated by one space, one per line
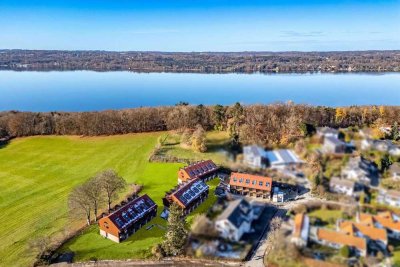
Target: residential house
128 219
389 197
301 229
204 170
235 220
327 132
250 185
370 232
381 145
188 195
394 171
338 239
361 170
333 145
283 159
342 186
385 220
255 156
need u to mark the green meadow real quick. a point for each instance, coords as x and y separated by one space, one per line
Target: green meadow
37 174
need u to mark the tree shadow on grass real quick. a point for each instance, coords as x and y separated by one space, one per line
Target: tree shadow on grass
4 143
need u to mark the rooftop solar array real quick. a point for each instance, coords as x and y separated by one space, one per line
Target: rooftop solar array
190 191
132 211
200 168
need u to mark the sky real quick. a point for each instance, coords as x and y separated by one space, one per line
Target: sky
208 25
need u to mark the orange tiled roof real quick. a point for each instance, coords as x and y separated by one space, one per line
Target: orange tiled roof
342 239
372 232
383 218
298 224
251 181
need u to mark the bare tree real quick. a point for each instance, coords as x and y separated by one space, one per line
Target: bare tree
95 193
112 184
79 202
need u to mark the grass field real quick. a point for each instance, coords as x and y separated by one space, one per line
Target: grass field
37 174
90 245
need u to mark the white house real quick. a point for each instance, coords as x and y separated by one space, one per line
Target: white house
394 171
327 132
381 145
254 156
389 197
333 145
235 220
283 159
360 170
342 186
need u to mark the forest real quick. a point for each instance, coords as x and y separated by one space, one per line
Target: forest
202 62
268 125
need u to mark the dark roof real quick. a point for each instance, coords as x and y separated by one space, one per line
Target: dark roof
200 168
187 192
237 212
132 211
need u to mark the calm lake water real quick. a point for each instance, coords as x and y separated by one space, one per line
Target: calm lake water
88 90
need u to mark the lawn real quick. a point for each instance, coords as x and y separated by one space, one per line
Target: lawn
37 174
326 215
90 245
216 147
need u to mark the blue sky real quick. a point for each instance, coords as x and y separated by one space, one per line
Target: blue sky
191 25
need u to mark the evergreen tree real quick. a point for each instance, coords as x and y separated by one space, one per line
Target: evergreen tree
176 236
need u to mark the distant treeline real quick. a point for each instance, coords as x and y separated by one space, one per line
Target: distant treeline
264 124
246 62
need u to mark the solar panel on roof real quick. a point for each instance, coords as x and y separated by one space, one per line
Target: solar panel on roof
286 156
271 156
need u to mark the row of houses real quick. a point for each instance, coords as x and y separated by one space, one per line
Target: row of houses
369 233
190 192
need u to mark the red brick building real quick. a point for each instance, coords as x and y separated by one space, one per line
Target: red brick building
128 219
204 170
250 185
187 195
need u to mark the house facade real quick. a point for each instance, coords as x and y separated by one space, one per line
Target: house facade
250 185
394 171
389 197
255 156
342 186
188 196
301 230
128 219
333 145
235 220
204 170
360 170
381 145
327 132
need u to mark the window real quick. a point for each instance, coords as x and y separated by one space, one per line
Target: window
253 182
235 179
260 183
241 180
106 225
267 184
247 181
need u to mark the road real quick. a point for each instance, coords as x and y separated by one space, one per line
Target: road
257 257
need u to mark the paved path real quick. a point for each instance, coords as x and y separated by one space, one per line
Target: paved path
257 259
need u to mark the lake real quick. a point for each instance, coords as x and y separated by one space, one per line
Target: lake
88 90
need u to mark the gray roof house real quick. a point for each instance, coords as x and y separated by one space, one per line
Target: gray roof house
342 186
255 156
381 145
333 145
361 170
394 171
389 197
283 158
327 132
235 220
